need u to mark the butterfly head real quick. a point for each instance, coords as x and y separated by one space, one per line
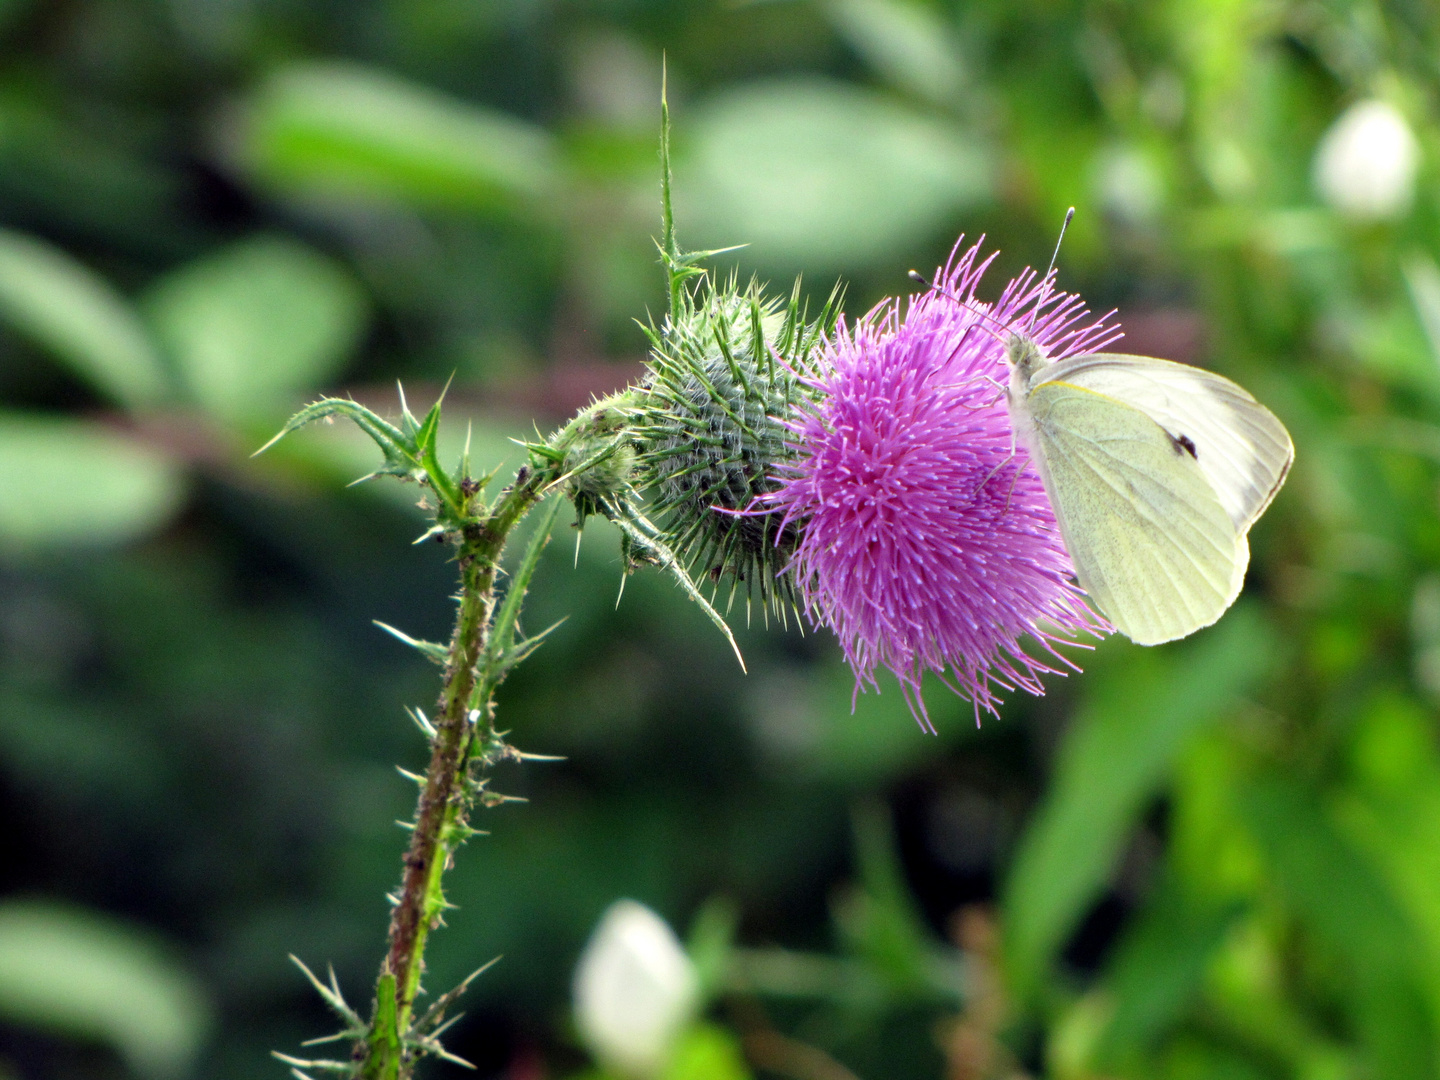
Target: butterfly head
1024 357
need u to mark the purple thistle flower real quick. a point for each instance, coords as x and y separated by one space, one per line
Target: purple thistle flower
928 545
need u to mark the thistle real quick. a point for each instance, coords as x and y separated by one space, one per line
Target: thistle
725 375
927 541
727 367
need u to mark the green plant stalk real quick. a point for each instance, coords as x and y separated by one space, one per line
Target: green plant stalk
440 824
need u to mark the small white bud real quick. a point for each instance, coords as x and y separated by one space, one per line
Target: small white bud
635 989
1365 166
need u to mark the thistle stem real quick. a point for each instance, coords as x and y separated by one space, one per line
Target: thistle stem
462 723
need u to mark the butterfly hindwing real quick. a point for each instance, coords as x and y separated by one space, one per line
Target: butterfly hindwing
1150 539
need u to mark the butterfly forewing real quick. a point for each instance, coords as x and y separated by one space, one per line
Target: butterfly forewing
1150 540
1242 450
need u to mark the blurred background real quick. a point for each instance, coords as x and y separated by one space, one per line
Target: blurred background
1219 858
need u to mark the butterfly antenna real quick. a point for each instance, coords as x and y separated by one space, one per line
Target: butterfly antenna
1069 216
1045 283
915 275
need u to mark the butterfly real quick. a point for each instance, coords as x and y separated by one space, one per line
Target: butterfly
1155 471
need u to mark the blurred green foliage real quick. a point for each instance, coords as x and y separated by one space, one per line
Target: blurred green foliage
1215 859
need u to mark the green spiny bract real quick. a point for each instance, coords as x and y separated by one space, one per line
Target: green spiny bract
725 373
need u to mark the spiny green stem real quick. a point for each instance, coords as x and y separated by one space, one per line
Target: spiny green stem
439 824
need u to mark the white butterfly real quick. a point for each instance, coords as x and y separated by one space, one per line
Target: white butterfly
1156 471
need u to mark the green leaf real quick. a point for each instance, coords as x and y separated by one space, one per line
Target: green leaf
1422 277
905 41
257 324
1335 890
79 317
1339 895
1138 716
333 127
1394 815
823 175
82 974
707 1052
72 482
401 454
1160 964
711 943
879 921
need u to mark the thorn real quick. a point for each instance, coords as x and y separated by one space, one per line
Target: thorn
326 1039
435 652
330 994
410 776
493 798
446 1026
428 534
441 1052
421 722
282 433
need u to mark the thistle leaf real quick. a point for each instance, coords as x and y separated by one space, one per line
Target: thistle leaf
402 457
521 650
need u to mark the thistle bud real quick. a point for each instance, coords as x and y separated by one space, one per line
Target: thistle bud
725 374
599 460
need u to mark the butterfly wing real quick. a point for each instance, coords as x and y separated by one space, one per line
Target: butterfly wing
1150 540
1241 448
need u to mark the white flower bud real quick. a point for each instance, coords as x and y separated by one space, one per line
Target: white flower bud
1365 167
634 990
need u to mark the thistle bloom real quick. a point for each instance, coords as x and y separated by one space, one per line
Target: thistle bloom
928 541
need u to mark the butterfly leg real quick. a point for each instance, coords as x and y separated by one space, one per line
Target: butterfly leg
1010 494
1014 479
989 404
991 474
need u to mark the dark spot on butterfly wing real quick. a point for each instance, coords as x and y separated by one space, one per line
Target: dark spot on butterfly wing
1183 444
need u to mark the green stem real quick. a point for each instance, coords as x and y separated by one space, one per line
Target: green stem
440 817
